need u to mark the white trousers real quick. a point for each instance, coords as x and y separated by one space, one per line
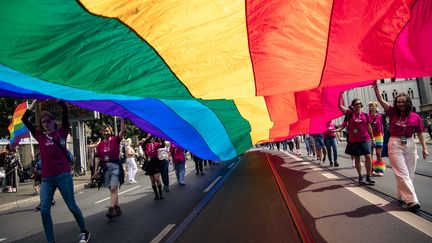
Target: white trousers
132 168
403 159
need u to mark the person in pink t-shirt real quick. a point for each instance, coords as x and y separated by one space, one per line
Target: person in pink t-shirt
179 161
153 166
359 138
377 122
108 157
402 150
56 169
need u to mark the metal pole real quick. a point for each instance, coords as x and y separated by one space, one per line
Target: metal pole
115 125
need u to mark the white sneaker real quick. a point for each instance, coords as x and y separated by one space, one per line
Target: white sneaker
13 189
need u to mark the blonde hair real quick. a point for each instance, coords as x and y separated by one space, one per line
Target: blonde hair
374 103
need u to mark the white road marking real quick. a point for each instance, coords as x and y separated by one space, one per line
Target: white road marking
212 184
128 190
231 165
3 239
415 221
163 233
316 169
304 163
330 175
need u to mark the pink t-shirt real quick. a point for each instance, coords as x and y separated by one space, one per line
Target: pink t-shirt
54 161
151 149
358 127
377 124
109 150
330 131
404 125
177 154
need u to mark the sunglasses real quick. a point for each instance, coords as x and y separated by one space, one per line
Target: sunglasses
358 104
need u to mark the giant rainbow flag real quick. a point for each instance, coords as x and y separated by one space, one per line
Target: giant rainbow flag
17 129
214 77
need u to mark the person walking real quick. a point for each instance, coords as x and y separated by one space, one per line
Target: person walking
91 150
56 170
11 163
108 158
153 166
330 143
164 157
198 165
378 165
359 138
402 150
131 161
179 161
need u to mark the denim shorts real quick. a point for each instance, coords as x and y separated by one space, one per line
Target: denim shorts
112 175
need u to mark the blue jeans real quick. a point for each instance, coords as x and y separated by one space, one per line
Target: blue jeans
180 169
65 185
331 144
164 172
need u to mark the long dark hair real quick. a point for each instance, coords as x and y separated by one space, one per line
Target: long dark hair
409 104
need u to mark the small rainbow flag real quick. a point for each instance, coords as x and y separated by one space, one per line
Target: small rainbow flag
17 129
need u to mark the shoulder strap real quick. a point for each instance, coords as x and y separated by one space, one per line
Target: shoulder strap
63 149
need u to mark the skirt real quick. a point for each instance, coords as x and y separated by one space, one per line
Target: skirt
358 148
153 166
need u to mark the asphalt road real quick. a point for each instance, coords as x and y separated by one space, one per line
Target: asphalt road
143 219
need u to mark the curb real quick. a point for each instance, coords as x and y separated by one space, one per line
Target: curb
31 199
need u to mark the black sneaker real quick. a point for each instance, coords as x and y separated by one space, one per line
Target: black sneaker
110 213
38 207
331 163
84 237
412 207
360 180
117 210
369 181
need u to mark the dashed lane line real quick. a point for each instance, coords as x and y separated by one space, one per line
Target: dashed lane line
329 175
231 165
212 184
128 190
163 233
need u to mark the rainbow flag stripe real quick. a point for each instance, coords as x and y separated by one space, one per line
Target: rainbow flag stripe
214 77
17 129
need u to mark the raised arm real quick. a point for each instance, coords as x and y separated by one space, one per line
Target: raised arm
341 107
26 116
122 128
65 115
383 103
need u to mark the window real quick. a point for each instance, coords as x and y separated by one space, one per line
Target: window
394 94
411 93
384 95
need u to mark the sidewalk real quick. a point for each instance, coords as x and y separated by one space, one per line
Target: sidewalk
24 196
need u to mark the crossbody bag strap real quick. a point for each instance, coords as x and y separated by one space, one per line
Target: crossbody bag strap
63 149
